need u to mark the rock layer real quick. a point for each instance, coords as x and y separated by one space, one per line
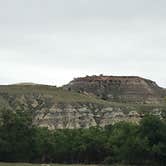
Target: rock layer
119 88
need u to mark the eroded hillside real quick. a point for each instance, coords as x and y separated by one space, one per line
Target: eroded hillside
119 88
54 107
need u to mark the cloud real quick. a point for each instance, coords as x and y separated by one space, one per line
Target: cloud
53 41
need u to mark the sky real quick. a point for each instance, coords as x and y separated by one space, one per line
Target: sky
54 41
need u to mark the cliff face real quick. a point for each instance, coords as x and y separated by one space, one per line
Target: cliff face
119 88
87 115
57 108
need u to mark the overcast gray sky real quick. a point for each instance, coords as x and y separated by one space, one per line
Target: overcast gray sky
52 41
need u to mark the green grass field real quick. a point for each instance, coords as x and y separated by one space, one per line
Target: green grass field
25 164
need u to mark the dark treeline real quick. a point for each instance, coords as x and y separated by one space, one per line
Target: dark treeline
123 142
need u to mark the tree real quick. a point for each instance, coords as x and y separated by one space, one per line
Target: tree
154 130
16 134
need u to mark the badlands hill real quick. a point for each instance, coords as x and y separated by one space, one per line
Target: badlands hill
85 102
119 88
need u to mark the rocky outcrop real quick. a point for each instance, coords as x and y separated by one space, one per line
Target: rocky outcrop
86 116
119 88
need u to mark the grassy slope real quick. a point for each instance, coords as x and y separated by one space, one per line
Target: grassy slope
64 96
58 94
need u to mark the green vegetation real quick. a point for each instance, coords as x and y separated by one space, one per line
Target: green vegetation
125 143
58 94
18 164
26 164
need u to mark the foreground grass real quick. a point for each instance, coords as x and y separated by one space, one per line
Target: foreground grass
26 164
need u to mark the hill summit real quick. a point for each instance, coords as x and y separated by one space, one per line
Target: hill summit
119 88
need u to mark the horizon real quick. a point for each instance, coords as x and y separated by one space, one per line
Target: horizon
51 42
40 83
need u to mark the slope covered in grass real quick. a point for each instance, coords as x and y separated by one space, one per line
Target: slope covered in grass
59 94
